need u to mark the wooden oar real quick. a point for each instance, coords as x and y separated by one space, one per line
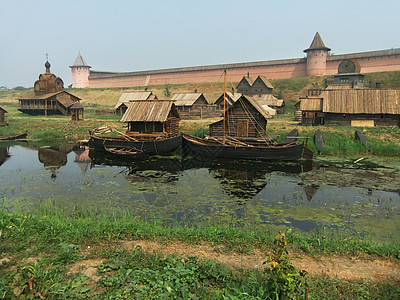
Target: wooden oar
125 135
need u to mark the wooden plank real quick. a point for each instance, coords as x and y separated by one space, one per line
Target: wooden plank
363 123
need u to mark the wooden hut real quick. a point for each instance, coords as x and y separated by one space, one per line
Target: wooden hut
244 85
246 118
49 97
311 110
152 117
2 115
122 104
260 86
190 104
362 107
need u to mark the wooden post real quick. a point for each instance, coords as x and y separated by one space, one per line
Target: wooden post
224 105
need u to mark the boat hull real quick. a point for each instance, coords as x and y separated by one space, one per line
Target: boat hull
13 137
288 152
149 147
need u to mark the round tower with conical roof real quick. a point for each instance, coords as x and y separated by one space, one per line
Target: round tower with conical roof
80 73
316 57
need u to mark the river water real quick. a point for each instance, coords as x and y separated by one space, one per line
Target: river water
330 194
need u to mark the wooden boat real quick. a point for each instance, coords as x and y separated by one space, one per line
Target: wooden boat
149 145
123 151
13 136
216 149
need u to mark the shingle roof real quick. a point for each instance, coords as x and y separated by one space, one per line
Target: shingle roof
268 99
149 111
66 101
229 97
317 44
246 80
126 97
186 99
258 106
265 81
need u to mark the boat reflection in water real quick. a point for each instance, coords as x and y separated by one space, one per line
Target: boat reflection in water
4 154
239 178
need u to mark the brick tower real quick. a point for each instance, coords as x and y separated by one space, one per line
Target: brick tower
80 73
316 57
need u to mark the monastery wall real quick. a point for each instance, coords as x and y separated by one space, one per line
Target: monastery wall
272 70
374 61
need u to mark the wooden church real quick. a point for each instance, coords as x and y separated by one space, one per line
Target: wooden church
49 98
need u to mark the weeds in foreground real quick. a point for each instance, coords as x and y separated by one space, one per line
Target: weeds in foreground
282 277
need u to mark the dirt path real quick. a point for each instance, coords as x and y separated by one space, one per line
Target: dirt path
341 267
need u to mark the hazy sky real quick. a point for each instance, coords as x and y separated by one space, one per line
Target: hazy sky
137 35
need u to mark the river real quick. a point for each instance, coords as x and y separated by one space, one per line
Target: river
333 195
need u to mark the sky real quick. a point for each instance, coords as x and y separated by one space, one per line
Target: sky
123 35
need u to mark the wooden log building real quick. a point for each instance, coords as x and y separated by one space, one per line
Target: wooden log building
193 105
246 118
362 107
152 117
260 86
49 98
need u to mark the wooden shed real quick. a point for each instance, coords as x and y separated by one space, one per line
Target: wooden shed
246 118
362 107
261 86
122 104
2 115
190 105
311 110
152 116
244 85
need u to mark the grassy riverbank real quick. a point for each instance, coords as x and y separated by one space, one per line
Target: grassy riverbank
57 250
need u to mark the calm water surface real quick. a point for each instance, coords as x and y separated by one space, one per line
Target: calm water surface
334 195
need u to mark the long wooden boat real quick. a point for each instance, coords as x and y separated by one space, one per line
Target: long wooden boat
13 136
123 151
161 146
216 149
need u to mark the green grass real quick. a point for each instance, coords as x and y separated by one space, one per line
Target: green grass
56 241
50 226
